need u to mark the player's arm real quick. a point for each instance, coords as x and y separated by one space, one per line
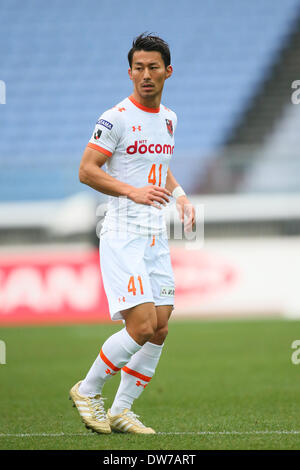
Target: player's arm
184 207
171 182
91 174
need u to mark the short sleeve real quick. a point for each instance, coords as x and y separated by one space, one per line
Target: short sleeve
107 132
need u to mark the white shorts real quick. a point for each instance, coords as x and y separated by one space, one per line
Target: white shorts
135 270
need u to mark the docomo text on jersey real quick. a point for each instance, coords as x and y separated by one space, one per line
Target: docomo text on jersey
165 149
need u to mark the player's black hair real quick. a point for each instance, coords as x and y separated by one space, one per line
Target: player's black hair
148 42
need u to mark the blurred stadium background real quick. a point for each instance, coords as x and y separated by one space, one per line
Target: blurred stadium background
237 152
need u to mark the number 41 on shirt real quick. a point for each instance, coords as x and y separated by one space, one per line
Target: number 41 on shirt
152 175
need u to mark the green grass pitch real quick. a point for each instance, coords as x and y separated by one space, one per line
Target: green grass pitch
219 385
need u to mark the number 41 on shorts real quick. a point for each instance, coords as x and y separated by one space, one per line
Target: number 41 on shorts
131 285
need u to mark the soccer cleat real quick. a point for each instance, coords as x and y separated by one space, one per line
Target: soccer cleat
91 410
127 422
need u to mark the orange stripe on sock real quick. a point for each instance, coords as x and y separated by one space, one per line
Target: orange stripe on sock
136 374
107 362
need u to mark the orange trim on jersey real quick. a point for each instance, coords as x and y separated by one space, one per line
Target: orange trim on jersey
142 107
136 374
107 362
100 149
153 241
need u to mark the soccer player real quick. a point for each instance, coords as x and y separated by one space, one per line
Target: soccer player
135 139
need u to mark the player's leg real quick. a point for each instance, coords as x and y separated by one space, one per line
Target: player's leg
118 348
86 394
117 263
136 375
163 313
141 324
126 286
115 353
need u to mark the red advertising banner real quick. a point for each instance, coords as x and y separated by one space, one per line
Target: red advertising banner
224 278
66 287
52 288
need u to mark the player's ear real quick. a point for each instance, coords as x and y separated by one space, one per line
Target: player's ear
129 73
169 71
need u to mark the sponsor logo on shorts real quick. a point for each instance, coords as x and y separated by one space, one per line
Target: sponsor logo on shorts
167 291
106 124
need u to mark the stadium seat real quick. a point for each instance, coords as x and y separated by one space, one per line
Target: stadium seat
65 67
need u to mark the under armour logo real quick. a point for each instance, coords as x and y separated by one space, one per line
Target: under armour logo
119 109
138 128
121 299
109 372
139 384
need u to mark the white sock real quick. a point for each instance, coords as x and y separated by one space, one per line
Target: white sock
115 353
135 376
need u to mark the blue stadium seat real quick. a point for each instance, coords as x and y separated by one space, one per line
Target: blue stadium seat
65 62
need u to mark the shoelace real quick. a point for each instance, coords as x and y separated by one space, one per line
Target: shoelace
98 406
135 417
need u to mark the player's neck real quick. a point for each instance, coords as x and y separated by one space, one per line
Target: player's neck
151 102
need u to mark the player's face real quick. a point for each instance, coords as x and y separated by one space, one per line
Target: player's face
148 73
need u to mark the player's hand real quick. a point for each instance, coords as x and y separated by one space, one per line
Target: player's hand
186 212
150 195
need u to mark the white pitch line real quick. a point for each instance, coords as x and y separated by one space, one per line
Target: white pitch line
187 433
227 432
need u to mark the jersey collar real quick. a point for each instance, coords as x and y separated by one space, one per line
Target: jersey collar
142 107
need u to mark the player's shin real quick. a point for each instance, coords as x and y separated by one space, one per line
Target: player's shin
115 353
135 376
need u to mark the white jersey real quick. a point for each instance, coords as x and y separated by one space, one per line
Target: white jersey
140 144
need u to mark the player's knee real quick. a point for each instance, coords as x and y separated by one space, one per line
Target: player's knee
146 330
161 333
165 332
